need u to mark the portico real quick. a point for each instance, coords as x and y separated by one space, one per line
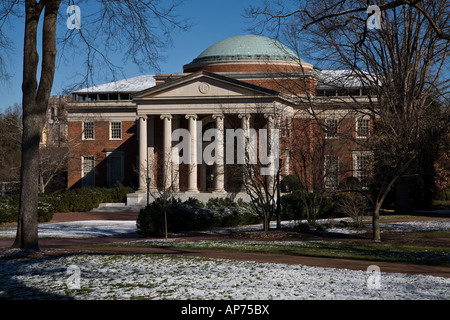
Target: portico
196 103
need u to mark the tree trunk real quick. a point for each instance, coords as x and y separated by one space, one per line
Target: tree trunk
165 222
402 197
376 222
41 182
34 102
266 222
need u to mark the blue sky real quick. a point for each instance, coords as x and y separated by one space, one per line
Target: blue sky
212 21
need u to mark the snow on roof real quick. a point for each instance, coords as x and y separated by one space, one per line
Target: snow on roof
344 79
126 85
328 79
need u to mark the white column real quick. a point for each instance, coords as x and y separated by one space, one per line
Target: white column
270 126
142 153
167 144
245 125
175 164
219 181
286 161
192 174
151 151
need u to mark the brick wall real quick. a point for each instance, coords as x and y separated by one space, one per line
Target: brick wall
99 148
309 146
240 67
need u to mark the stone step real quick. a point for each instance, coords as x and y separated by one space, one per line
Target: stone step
116 207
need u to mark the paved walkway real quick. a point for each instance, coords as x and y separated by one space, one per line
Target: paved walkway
82 244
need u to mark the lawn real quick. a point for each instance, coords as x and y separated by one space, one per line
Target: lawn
159 277
390 252
419 242
44 275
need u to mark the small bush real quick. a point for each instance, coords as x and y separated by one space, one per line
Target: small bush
321 227
229 213
181 216
292 183
292 206
9 210
353 205
341 224
189 216
445 194
295 205
303 227
193 215
150 220
45 211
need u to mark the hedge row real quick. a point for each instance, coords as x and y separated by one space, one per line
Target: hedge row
85 199
74 200
445 195
193 215
9 209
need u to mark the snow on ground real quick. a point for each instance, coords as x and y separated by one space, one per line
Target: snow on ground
175 277
431 225
77 229
98 228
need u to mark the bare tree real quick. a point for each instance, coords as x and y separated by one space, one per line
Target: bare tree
54 148
118 24
10 141
401 63
167 167
262 165
314 12
353 205
442 166
317 148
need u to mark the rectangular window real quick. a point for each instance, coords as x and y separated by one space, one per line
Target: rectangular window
361 167
362 128
88 171
320 93
124 96
115 130
113 96
331 172
331 128
88 131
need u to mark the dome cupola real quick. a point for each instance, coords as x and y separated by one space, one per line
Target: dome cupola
245 53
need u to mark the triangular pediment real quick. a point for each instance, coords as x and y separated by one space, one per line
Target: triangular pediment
203 85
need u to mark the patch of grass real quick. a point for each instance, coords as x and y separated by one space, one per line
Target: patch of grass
397 217
408 253
440 205
429 234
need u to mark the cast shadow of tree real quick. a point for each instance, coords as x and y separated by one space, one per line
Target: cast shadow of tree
16 264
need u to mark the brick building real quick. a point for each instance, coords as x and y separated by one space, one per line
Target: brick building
123 131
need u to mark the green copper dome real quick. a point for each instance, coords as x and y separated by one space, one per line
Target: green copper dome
247 47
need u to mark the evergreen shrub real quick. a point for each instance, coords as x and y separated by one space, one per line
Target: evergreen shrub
193 215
